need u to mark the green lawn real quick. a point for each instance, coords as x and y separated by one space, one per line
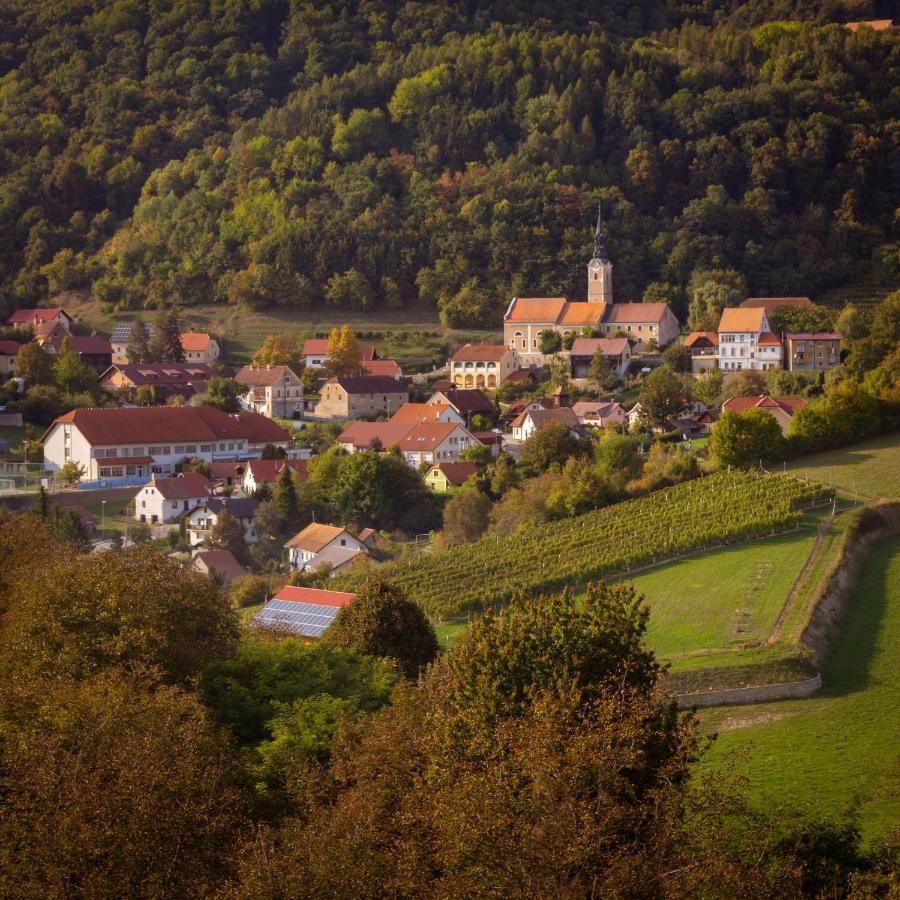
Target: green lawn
722 598
815 756
449 633
869 469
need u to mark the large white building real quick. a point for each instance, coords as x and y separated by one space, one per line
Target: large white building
745 341
128 443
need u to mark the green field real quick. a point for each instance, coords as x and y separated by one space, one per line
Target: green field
870 470
722 598
816 756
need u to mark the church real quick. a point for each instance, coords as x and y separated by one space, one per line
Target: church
526 318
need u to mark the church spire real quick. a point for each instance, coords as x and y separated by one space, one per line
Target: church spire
600 268
601 251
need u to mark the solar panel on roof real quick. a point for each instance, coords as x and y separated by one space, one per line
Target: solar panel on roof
307 619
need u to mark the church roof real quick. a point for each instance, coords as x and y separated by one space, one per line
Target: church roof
535 309
581 313
636 312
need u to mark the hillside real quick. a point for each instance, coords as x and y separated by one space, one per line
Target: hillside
440 156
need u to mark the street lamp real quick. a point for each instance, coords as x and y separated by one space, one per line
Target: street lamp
103 518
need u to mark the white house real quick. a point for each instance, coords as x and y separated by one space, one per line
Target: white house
266 471
198 346
413 413
166 499
203 518
745 341
319 544
526 423
271 390
136 442
421 442
599 413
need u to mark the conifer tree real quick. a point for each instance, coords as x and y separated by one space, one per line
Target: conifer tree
169 336
138 350
284 497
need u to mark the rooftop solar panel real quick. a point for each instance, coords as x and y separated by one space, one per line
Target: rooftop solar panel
307 619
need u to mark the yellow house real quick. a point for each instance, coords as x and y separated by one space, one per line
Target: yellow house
443 476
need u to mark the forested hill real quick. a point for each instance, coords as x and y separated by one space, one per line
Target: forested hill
365 154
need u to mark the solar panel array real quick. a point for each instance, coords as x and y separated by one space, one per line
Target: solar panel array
307 619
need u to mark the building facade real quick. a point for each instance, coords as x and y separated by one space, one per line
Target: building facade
482 366
812 351
272 391
745 341
360 397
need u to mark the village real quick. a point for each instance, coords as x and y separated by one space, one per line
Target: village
189 452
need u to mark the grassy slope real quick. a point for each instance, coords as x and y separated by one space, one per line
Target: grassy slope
869 470
816 755
723 597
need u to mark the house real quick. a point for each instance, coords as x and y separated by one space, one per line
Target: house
221 563
188 380
770 304
320 544
514 410
532 420
418 442
8 352
378 436
745 341
201 520
258 472
389 367
163 500
273 391
641 323
360 397
315 353
781 409
693 408
616 352
411 413
704 347
304 612
493 440
140 441
467 403
599 413
816 351
874 24
520 376
94 350
121 338
41 320
443 476
226 474
527 318
483 366
198 346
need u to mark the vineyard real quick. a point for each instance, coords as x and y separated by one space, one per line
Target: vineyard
722 508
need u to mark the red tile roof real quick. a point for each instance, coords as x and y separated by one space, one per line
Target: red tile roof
456 473
161 373
388 367
464 401
541 417
43 314
788 405
9 348
480 353
607 346
182 487
261 376
635 312
427 435
267 470
315 536
363 435
195 341
535 309
171 424
702 337
92 345
412 413
768 339
315 596
874 24
221 561
741 319
577 314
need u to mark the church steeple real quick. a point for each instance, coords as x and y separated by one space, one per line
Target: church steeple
600 268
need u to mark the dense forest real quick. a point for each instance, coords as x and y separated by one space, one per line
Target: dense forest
379 153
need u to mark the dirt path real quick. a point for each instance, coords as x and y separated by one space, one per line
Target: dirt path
775 634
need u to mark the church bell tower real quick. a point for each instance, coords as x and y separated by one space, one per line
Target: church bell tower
600 268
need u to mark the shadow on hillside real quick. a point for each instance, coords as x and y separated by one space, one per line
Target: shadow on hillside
850 668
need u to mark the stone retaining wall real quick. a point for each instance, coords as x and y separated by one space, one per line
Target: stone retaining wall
763 693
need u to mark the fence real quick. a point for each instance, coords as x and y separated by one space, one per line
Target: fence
121 481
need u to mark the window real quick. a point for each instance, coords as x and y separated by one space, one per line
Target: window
167 451
206 448
190 448
180 449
